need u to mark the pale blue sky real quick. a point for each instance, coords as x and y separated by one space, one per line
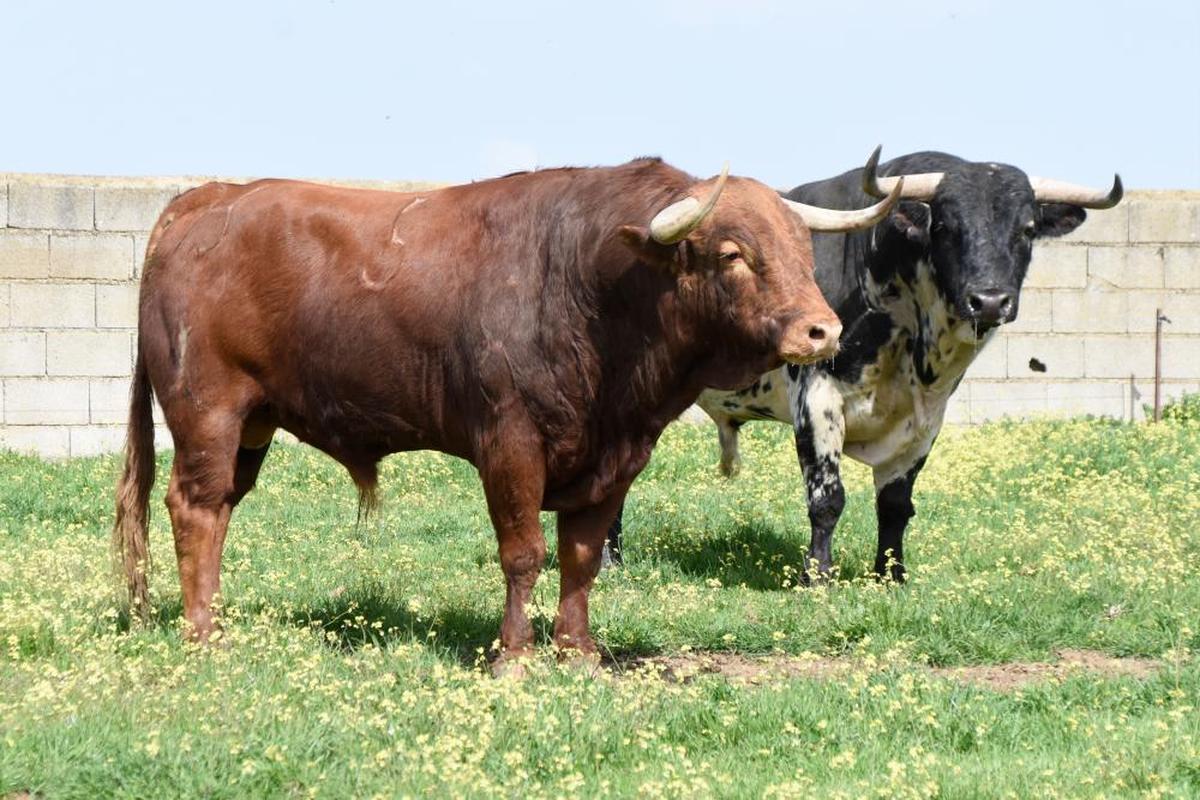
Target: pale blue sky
786 91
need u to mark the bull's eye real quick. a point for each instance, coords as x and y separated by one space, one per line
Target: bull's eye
729 253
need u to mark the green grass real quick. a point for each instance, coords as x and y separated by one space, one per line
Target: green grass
354 663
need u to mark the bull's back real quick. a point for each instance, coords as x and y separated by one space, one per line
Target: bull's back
307 296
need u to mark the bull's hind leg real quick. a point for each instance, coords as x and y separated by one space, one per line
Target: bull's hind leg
513 475
894 508
211 473
581 536
727 435
820 429
200 499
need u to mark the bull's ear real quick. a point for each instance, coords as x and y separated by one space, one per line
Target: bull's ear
638 240
1059 219
911 222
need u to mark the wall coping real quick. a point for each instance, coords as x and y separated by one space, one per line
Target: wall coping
180 181
176 181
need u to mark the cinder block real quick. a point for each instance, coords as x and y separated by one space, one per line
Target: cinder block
22 353
109 400
24 254
45 401
1089 311
1181 357
1181 268
1164 220
1118 356
39 205
1057 266
995 399
91 353
989 362
140 242
1033 313
48 305
1097 398
1182 308
1103 227
107 256
117 305
95 440
4 205
1128 267
958 409
1060 356
129 208
47 441
5 306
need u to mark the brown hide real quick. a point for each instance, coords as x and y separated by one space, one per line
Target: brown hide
527 324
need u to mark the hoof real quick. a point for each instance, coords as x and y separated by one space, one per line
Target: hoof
809 578
207 634
512 666
585 661
897 576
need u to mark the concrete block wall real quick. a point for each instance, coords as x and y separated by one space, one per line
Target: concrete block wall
1087 316
71 251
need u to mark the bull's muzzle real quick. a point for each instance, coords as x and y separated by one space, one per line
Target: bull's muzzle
806 341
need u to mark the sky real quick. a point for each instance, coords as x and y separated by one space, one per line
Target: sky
786 91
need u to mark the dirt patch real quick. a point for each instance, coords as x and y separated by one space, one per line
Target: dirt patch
1014 675
1008 677
737 668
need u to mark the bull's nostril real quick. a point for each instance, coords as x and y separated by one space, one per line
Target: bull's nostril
989 305
816 333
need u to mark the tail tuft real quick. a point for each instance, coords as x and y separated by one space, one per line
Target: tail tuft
131 531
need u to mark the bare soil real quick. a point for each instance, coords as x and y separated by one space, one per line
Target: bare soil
1006 677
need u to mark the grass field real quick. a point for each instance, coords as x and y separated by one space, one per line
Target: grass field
354 663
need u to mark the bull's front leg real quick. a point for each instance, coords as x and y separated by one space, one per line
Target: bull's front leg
820 429
513 474
894 508
581 536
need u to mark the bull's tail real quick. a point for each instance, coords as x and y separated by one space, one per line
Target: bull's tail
131 534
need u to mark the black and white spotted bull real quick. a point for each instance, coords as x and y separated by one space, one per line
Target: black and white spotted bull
919 295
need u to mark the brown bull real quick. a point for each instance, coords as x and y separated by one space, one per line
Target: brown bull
544 326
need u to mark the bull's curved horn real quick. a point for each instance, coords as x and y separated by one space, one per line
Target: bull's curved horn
917 186
831 220
1048 190
677 220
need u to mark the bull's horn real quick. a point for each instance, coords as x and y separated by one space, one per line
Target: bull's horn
917 186
1048 190
677 220
832 220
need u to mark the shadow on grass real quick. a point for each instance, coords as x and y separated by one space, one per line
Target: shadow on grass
164 614
753 555
367 615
